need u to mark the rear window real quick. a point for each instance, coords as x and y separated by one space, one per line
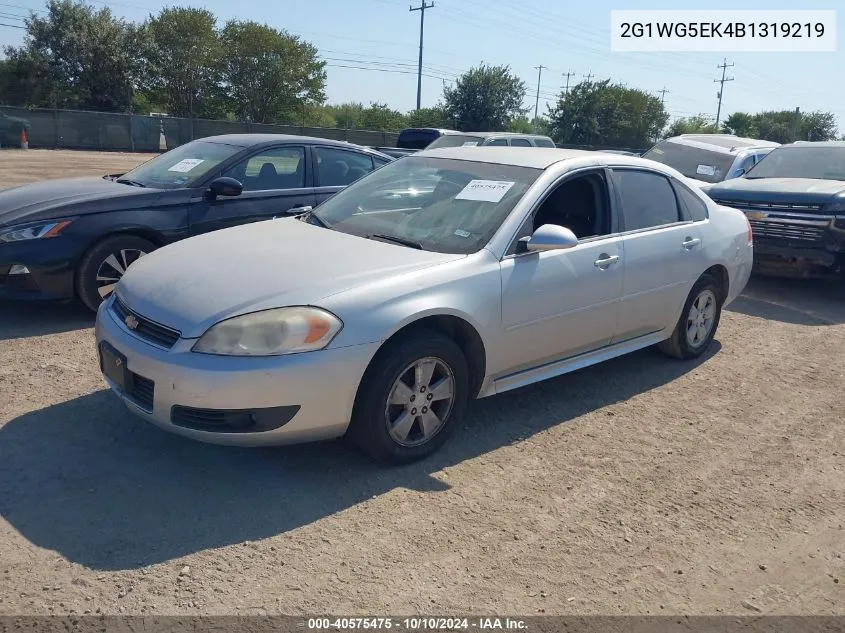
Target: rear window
416 139
692 162
456 140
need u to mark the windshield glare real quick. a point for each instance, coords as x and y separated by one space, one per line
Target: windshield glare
183 166
692 162
445 205
819 163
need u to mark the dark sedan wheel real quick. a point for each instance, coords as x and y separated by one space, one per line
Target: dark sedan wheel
104 264
412 396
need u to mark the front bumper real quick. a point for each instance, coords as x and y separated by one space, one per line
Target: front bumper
51 264
798 244
315 391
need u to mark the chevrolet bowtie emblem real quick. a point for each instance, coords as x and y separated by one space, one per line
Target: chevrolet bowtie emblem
757 215
131 322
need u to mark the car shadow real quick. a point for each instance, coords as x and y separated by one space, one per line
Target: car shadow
19 319
89 480
796 301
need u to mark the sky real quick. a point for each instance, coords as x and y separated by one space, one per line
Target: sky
371 49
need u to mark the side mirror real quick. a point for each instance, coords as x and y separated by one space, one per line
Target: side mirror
739 172
549 237
224 186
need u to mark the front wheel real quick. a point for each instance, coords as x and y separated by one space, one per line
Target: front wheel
412 396
104 264
699 320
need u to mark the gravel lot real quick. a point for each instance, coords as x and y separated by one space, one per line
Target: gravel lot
645 485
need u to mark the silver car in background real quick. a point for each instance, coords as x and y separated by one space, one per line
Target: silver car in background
448 275
710 158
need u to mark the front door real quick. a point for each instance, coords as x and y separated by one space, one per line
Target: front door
274 183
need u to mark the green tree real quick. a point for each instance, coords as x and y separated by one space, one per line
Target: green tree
740 124
428 117
522 125
818 126
485 99
608 115
379 116
348 115
698 124
271 76
74 56
183 55
319 116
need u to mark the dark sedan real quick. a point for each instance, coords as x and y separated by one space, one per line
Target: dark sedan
76 237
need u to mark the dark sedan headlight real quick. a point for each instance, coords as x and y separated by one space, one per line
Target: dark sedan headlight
33 231
271 333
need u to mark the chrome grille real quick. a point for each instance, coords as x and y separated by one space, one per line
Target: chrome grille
147 330
771 207
786 231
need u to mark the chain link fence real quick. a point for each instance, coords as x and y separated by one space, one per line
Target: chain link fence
107 131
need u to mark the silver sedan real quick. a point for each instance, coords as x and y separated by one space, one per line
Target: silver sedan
449 275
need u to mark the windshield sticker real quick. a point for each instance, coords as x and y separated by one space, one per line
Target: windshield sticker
186 164
485 190
659 152
470 144
706 170
462 233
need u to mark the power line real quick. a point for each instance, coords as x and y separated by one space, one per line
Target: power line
423 6
724 66
12 26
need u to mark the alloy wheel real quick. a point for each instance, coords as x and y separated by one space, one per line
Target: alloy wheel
701 317
420 401
114 267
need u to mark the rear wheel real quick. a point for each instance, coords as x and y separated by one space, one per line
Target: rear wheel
699 320
412 396
104 265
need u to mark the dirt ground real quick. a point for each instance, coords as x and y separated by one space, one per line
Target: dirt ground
644 485
18 167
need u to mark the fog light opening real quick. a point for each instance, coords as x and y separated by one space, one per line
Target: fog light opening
18 269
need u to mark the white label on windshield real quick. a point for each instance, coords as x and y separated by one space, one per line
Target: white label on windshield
470 144
462 233
485 190
706 170
186 164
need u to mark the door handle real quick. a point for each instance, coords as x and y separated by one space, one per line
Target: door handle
606 260
690 242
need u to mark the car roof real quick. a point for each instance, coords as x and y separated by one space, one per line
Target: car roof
506 134
250 140
535 157
817 144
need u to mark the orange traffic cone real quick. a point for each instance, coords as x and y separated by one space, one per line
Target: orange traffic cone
24 143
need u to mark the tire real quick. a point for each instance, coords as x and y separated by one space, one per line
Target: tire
680 345
373 416
97 262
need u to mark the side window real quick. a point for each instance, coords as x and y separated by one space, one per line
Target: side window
379 162
744 165
498 142
543 142
647 199
339 167
278 168
580 204
694 206
520 142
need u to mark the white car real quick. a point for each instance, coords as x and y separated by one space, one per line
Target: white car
449 275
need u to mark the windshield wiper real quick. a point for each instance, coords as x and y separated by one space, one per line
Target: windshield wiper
397 240
127 181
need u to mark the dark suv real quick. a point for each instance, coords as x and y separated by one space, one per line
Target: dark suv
794 199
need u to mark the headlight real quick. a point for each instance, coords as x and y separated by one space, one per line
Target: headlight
33 231
271 333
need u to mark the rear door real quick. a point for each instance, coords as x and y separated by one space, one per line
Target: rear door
338 167
662 252
276 181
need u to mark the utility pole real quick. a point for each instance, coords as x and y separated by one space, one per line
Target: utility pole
537 100
662 95
724 66
567 74
795 121
588 76
423 6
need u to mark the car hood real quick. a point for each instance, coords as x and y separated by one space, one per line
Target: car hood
67 196
807 190
195 283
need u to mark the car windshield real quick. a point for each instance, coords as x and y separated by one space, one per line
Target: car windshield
820 163
181 167
436 204
456 140
692 162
